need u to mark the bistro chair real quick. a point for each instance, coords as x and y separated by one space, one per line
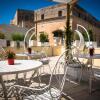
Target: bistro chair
82 49
94 75
53 88
77 50
45 60
94 80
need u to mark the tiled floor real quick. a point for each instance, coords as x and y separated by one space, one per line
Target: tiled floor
74 90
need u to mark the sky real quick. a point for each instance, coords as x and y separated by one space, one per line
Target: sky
9 7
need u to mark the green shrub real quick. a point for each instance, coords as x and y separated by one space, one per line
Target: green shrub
2 36
43 37
17 37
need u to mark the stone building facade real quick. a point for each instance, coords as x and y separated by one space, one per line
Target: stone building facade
54 17
51 18
80 16
23 18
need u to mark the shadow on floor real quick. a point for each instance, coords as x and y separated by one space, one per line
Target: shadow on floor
74 90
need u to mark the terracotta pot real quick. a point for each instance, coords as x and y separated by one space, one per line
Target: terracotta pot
11 61
29 50
91 51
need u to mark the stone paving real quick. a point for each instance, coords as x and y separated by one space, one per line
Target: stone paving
74 90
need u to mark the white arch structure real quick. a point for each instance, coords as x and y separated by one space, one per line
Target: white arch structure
78 25
81 36
33 28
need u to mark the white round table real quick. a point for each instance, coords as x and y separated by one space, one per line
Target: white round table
20 66
33 54
87 56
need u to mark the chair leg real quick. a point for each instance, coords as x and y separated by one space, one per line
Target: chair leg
90 85
81 74
38 75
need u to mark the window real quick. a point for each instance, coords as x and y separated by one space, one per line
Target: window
59 13
79 14
85 18
42 16
26 18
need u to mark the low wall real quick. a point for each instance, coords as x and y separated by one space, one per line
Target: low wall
50 51
56 51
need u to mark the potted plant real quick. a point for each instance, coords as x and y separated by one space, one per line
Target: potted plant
29 50
17 37
10 56
43 38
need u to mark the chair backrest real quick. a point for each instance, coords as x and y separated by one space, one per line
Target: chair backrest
81 44
81 47
44 56
58 76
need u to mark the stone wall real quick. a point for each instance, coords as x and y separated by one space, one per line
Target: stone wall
49 27
52 21
53 17
24 18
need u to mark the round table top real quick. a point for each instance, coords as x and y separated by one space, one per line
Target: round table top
87 56
19 66
27 54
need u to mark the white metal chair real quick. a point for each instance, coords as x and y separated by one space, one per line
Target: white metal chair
45 60
94 78
77 49
93 75
81 47
53 88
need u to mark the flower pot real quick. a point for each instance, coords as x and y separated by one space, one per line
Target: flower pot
29 50
91 51
11 61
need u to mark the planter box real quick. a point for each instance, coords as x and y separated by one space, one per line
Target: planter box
32 43
76 43
43 44
57 41
94 44
14 43
76 72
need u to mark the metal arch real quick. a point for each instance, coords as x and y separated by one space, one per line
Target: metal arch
81 38
33 28
31 36
78 25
